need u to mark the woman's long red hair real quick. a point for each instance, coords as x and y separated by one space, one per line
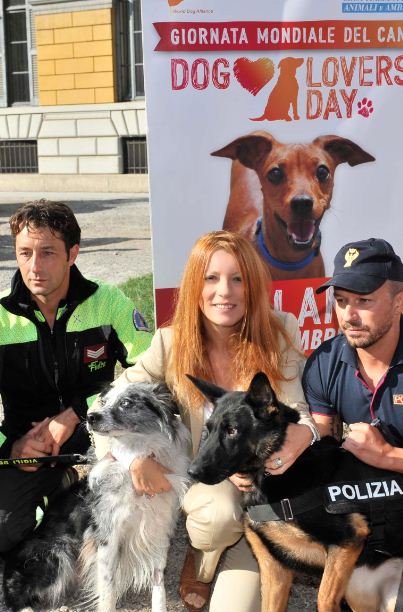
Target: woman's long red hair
256 346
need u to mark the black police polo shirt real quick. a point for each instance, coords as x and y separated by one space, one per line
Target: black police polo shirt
333 385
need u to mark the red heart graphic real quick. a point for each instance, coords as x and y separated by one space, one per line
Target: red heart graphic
253 75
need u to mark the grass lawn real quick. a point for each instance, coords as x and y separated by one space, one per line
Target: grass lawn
140 290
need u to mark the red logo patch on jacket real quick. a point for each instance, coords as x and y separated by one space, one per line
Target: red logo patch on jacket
95 352
398 399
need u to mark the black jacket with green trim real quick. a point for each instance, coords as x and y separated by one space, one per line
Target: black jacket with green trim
44 371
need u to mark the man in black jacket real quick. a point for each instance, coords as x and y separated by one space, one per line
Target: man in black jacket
60 338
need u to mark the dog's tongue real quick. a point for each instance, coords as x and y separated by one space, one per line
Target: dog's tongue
301 231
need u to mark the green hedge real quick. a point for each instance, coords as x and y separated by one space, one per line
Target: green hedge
140 290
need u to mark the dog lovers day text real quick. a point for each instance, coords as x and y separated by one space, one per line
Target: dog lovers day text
329 81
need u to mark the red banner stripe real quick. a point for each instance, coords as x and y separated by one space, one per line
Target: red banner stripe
278 35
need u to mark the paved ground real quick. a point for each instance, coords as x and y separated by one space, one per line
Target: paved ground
116 246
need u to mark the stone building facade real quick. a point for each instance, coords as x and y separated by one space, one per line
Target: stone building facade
72 108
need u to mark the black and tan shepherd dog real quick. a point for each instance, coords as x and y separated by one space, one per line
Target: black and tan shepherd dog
328 513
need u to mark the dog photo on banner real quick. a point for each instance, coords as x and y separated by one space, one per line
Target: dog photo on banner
304 99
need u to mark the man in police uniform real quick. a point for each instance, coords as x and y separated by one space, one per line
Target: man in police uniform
357 377
60 338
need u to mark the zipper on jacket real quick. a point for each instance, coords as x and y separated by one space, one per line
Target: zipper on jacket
56 370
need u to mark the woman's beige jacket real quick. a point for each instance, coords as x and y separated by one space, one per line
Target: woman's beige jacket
152 365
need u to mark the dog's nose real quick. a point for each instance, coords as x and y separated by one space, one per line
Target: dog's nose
193 472
301 205
93 417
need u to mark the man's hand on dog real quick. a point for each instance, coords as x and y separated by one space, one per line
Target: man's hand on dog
148 476
368 444
298 438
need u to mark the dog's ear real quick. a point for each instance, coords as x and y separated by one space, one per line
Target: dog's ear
249 150
260 393
162 392
293 62
343 150
210 391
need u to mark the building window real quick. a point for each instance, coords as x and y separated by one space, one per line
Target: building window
135 155
18 156
18 75
130 50
16 52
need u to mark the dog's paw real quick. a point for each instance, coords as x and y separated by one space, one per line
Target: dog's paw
365 107
158 601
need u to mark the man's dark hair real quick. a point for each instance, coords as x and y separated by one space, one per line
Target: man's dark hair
56 216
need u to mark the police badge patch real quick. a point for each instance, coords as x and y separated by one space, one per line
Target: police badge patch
139 321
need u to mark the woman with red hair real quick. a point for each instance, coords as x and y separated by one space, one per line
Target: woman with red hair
224 330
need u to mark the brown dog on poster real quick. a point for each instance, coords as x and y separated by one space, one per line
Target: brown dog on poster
279 194
285 92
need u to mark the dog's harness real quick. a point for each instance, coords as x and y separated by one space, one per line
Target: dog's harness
276 263
367 497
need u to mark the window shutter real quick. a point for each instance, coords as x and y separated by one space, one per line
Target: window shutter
3 74
32 57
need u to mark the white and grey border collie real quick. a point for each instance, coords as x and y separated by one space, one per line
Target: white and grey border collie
100 540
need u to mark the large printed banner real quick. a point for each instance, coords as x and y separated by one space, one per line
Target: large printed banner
281 120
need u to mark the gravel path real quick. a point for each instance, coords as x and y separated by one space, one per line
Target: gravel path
115 246
115 230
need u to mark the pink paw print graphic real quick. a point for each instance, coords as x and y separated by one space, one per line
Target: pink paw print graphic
365 107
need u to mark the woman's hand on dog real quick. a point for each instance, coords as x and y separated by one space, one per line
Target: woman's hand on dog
298 438
243 482
148 476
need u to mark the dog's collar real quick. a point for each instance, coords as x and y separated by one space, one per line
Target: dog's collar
286 509
276 263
